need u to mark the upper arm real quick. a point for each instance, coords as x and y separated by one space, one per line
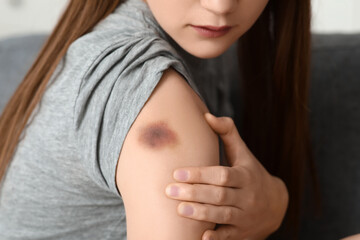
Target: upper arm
170 132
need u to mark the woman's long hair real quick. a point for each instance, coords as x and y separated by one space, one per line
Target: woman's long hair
274 56
275 65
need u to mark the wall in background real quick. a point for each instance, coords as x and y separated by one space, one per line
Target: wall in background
336 16
18 17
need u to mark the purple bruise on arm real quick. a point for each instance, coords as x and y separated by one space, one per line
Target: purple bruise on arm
158 135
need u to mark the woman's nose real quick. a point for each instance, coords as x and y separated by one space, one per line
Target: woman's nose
219 6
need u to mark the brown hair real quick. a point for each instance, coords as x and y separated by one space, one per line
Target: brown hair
275 64
274 58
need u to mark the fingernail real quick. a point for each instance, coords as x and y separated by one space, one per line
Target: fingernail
181 175
186 210
172 191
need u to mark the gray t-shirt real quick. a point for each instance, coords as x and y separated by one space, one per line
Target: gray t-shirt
61 181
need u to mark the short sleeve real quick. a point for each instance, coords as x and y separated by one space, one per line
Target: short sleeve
112 93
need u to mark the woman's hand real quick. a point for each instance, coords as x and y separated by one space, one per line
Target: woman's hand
244 199
353 237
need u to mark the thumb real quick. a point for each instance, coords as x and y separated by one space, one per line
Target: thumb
235 147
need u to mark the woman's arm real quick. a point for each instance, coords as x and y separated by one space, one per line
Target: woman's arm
170 132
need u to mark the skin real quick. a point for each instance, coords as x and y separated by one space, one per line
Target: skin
158 135
353 237
176 18
244 199
143 172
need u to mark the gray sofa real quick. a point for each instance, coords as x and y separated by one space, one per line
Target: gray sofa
335 123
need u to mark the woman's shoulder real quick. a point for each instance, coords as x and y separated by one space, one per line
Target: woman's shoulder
124 42
120 57
129 28
119 72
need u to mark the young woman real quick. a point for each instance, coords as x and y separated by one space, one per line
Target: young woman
115 109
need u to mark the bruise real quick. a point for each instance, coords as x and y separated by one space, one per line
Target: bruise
158 135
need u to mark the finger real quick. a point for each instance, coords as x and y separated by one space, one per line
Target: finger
209 213
224 232
200 193
213 175
353 237
235 147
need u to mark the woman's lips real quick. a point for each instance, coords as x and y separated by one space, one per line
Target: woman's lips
211 31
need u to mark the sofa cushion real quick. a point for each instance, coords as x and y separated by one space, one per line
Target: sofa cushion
335 126
16 57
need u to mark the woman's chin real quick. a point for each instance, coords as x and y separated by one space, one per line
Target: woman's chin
206 52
